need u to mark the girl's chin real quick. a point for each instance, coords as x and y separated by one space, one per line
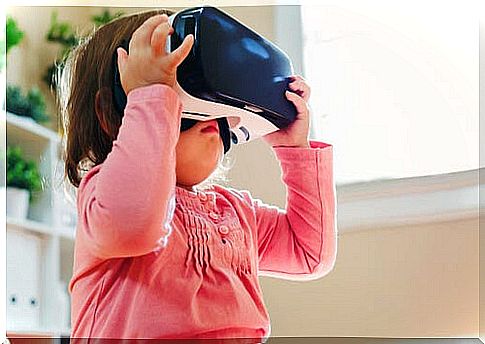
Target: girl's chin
197 173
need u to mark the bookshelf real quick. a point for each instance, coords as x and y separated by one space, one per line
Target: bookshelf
40 248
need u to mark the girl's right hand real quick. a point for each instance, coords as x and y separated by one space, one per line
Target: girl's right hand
148 62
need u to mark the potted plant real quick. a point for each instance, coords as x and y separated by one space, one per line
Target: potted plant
31 105
23 181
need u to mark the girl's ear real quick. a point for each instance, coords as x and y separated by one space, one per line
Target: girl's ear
102 106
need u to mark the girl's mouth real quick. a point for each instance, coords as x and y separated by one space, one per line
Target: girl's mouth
211 127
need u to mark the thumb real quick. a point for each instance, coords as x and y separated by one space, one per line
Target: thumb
179 54
122 56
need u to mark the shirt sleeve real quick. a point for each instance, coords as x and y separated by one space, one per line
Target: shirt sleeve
125 204
299 243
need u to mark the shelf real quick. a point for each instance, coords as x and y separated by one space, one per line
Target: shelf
41 248
38 144
67 233
29 125
30 225
38 331
39 228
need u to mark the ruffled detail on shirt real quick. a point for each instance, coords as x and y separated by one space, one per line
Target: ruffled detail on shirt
203 234
198 254
240 261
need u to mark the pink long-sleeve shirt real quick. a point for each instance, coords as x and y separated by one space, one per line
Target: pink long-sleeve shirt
154 260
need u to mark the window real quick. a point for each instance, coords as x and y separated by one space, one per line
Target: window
394 86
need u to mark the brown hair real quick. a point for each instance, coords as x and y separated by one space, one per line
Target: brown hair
88 69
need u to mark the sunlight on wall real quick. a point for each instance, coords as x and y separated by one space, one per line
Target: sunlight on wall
394 87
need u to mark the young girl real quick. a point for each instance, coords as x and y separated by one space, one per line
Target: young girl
156 256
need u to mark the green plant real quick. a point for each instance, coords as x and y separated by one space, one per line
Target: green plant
105 17
22 173
14 34
61 32
64 34
11 36
31 105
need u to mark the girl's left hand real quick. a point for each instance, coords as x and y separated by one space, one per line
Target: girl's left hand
296 134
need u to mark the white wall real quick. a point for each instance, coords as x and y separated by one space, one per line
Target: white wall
393 282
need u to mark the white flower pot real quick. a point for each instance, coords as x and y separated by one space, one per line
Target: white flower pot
17 203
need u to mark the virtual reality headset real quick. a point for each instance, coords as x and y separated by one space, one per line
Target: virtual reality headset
232 74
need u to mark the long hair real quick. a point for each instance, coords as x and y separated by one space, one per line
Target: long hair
87 70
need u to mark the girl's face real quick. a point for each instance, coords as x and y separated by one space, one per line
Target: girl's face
198 152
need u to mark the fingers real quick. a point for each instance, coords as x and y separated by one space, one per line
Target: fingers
122 56
300 103
178 55
159 37
143 35
155 31
299 85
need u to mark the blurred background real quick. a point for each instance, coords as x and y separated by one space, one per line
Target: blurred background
394 90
